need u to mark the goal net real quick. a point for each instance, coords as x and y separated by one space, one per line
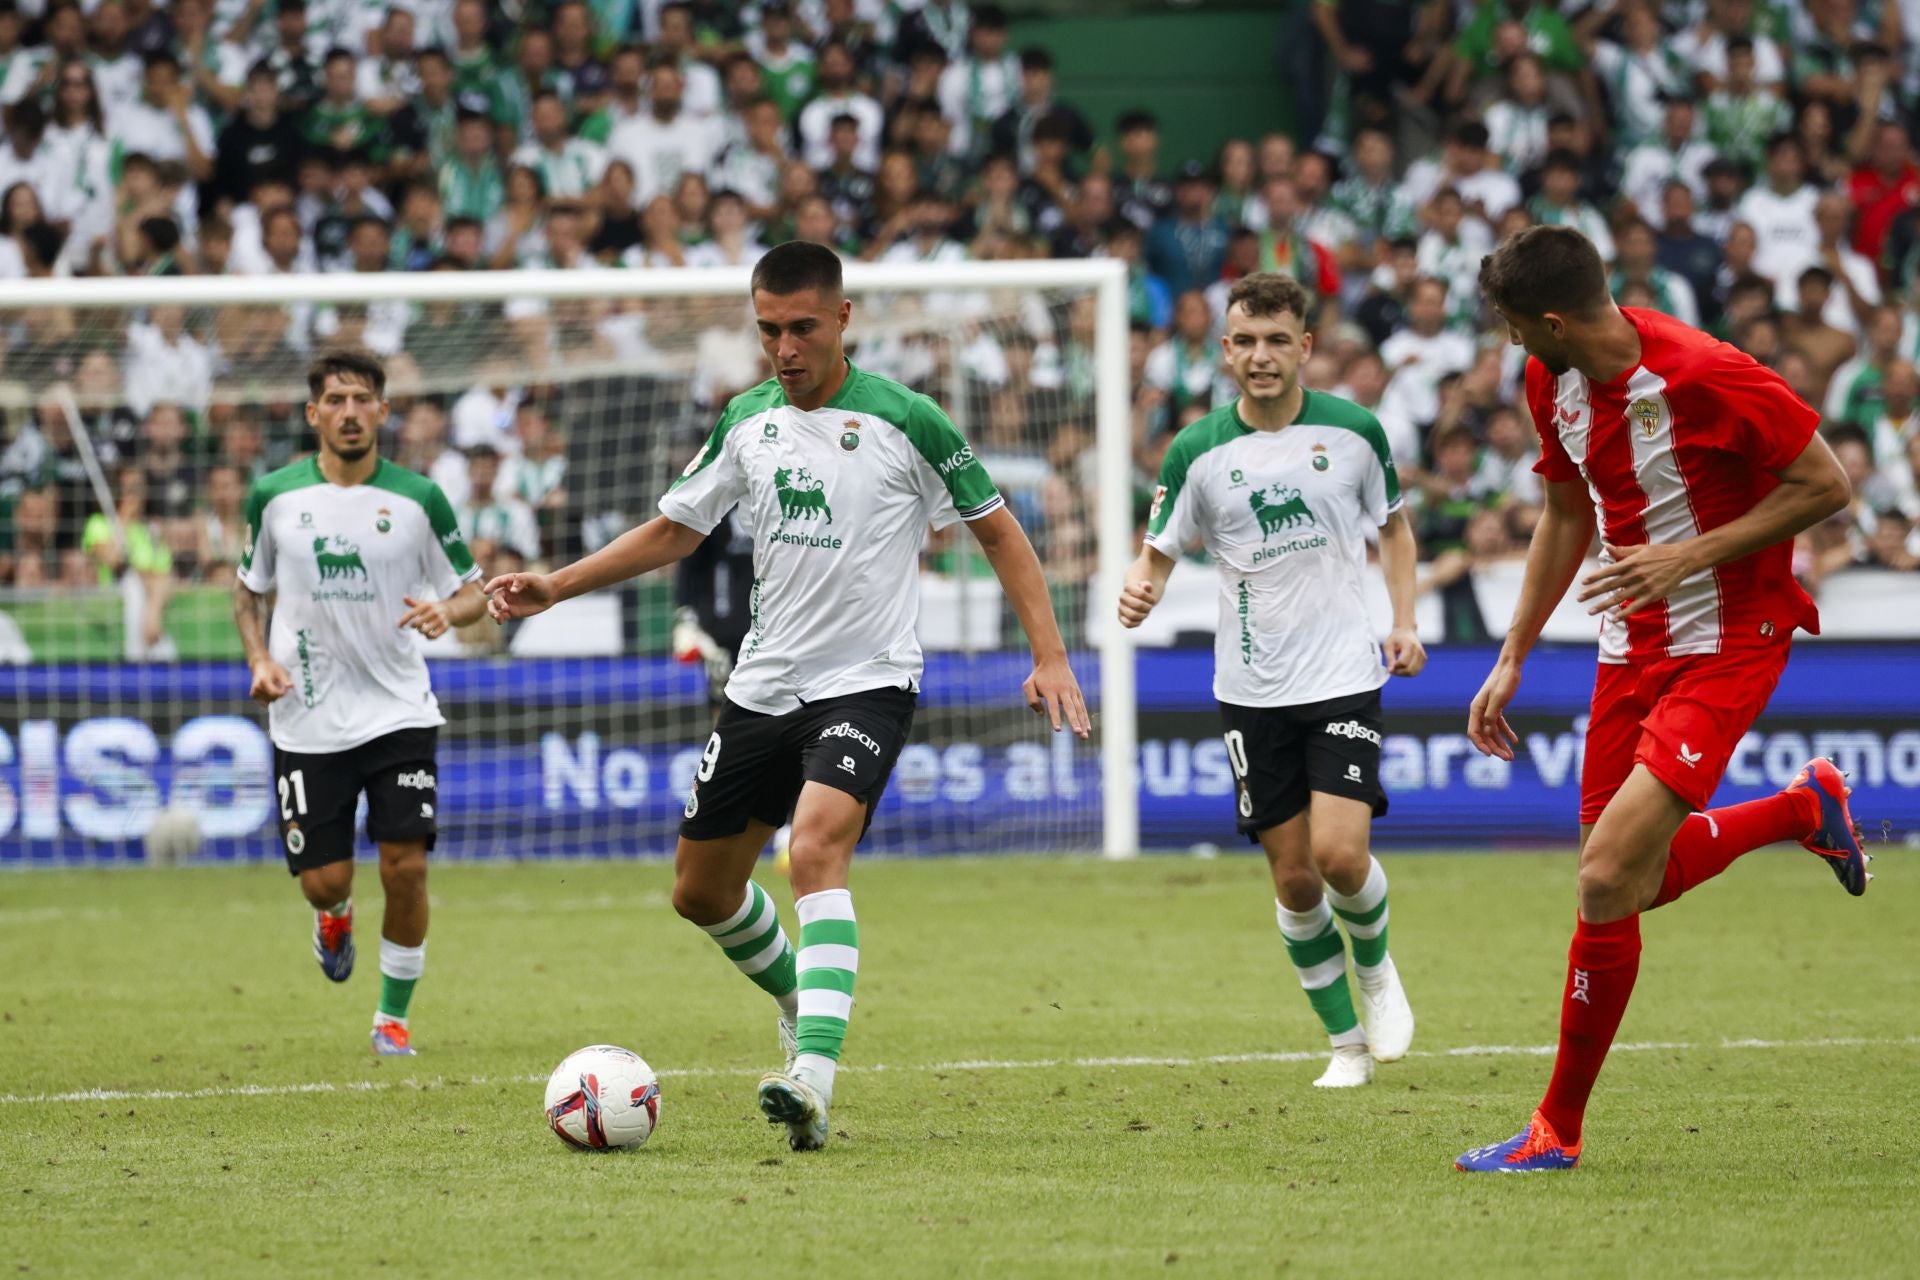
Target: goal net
554 409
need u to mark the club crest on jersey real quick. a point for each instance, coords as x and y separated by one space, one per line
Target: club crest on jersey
850 438
384 522
1647 414
296 839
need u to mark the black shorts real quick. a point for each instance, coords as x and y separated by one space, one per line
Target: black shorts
317 795
1282 754
755 764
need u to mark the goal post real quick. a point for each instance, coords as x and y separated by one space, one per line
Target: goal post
116 685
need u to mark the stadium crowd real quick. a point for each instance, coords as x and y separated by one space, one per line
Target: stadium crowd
1745 166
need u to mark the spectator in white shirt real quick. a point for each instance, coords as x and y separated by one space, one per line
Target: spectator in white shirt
665 142
978 89
1420 355
732 242
1464 165
1856 285
163 123
569 167
166 363
1780 211
1675 155
675 43
752 167
490 515
838 97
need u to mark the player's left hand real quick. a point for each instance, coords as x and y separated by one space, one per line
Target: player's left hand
1052 690
1638 578
1404 652
428 617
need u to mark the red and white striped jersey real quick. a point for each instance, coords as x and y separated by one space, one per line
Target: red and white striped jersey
1687 440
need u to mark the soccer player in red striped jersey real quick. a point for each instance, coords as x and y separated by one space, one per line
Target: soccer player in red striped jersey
1697 466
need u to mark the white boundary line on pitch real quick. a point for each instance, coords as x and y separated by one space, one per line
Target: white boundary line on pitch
984 1064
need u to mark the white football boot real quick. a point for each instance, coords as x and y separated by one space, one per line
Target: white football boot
1351 1067
1388 1016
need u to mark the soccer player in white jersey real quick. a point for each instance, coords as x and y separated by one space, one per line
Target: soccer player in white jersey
1283 487
838 473
354 549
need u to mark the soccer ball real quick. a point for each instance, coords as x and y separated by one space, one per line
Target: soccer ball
174 836
603 1097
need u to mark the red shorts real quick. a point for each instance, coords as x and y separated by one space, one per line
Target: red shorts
1680 717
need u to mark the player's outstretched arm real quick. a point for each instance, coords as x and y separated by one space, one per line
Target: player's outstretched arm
1399 554
1146 583
1051 688
658 542
1812 487
1560 541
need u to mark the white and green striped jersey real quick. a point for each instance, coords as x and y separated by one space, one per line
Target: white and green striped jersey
1286 516
838 499
566 174
341 559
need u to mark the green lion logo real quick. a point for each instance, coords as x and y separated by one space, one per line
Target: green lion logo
342 561
801 495
1285 510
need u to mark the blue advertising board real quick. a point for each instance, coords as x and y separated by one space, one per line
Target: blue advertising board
594 757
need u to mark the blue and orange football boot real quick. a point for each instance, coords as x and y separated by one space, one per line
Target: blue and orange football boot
1535 1149
1835 839
390 1039
333 944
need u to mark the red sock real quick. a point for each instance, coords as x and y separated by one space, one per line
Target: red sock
1601 966
1708 842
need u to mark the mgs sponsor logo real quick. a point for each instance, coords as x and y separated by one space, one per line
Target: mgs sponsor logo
846 730
451 538
419 780
1352 729
958 460
1159 499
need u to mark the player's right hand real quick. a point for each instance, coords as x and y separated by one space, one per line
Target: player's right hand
270 681
1487 726
1136 602
518 595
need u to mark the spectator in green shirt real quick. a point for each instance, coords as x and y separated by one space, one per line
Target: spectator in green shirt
132 549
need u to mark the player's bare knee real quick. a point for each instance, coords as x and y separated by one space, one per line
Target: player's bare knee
327 886
1343 863
704 903
404 870
1608 889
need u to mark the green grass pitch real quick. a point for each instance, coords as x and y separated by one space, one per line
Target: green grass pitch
1056 1068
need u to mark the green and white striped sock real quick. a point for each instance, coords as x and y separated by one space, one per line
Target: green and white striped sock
1365 916
758 946
1315 947
829 961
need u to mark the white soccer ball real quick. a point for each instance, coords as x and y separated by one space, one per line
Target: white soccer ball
603 1097
174 836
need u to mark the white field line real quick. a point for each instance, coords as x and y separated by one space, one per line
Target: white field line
984 1064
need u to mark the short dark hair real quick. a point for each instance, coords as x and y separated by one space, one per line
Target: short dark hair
356 363
1136 119
1034 58
1545 269
796 266
1268 293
